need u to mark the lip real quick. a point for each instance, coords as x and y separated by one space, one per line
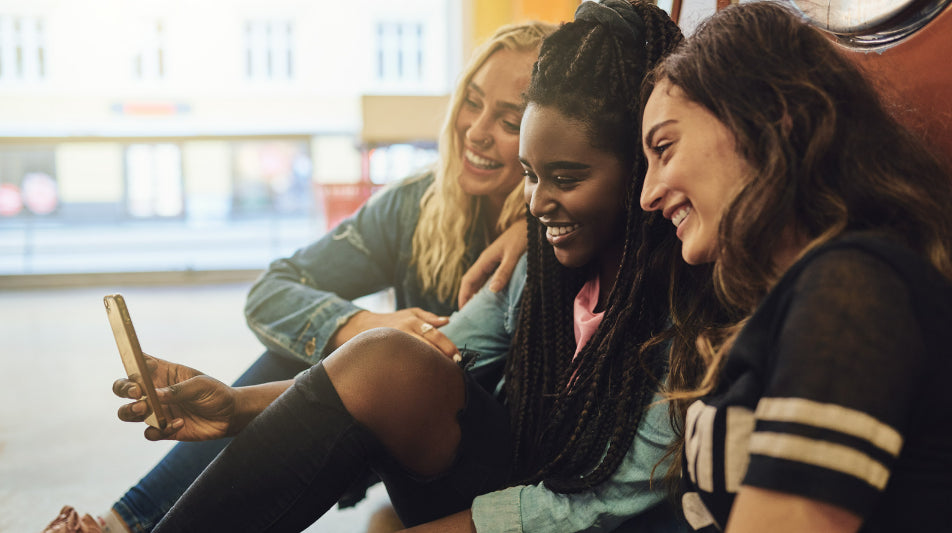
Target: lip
669 212
677 214
560 234
479 163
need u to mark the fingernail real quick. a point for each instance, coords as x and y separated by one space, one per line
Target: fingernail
178 423
138 408
495 286
457 357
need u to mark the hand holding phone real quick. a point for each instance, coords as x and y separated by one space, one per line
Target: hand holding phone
132 358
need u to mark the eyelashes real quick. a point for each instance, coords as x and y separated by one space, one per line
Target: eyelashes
660 148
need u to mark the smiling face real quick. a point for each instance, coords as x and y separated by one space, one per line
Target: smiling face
488 125
576 190
694 170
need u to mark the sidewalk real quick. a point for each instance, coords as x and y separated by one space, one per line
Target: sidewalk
60 440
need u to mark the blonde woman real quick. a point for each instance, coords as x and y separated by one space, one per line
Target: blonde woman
418 237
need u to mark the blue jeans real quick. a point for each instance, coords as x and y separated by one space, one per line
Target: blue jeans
147 502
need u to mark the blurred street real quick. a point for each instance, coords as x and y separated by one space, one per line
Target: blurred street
47 247
60 440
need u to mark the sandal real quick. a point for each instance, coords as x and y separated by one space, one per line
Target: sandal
69 521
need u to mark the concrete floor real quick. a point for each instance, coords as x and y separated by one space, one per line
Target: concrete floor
60 440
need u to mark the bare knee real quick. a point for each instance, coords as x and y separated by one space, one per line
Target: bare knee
380 357
405 391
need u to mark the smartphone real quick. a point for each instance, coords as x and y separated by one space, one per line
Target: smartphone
132 358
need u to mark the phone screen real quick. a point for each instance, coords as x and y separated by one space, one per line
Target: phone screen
132 358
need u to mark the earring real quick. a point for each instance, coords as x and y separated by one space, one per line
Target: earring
482 143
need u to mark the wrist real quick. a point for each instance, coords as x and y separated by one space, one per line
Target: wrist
250 401
349 329
244 411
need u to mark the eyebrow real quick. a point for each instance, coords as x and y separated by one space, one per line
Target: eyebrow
558 165
654 129
517 107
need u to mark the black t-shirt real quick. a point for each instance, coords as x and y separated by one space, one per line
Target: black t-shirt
835 390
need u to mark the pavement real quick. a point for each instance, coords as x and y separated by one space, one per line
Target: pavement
60 440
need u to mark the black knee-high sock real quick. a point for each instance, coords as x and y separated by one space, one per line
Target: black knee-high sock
285 470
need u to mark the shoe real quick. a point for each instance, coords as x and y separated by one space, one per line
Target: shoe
69 521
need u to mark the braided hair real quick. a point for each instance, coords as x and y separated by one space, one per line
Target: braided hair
574 419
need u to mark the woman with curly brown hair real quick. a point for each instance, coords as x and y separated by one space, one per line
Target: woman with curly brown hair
830 234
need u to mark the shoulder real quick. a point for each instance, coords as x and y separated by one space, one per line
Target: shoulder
400 198
859 297
858 294
518 280
865 261
411 187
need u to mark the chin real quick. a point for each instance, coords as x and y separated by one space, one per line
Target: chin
570 260
465 184
696 257
474 186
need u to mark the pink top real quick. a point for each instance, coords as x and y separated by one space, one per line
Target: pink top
585 317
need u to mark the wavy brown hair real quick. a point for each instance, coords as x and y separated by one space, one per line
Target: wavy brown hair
826 155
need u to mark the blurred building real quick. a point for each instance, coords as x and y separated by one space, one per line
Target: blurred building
154 119
122 108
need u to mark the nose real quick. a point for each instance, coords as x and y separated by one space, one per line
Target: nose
479 132
539 200
652 192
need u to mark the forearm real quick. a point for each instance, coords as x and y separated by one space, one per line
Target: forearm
758 509
253 399
298 306
348 329
291 315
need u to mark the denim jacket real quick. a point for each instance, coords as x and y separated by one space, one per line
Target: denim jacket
630 500
624 502
488 321
299 302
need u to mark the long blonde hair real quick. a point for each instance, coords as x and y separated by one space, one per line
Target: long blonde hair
449 216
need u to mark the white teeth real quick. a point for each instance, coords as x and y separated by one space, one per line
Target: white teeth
558 231
480 162
680 214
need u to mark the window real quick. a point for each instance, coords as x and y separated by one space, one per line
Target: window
399 47
28 183
394 161
22 48
269 49
148 63
154 180
271 176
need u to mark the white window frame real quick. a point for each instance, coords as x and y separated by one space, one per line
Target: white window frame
269 49
400 56
23 54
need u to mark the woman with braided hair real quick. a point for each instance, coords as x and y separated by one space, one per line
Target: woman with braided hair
573 439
